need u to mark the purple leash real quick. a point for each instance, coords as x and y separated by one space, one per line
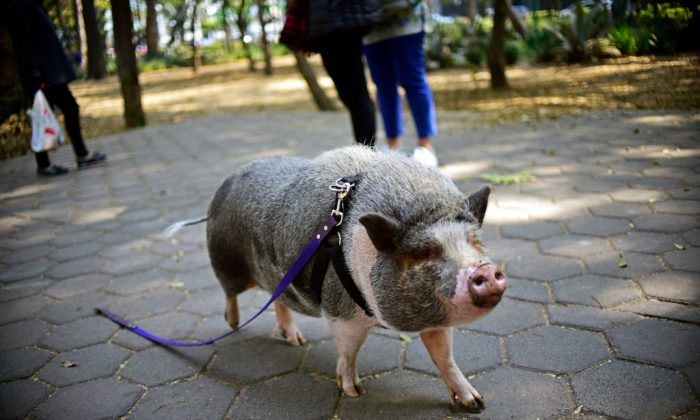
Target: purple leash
288 278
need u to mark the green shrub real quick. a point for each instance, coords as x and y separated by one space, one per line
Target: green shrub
512 53
543 43
670 28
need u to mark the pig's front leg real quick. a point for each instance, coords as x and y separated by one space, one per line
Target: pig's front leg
349 336
439 345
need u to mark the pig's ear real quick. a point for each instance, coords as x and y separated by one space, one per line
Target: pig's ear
477 202
382 230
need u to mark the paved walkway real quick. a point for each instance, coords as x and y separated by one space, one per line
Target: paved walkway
577 336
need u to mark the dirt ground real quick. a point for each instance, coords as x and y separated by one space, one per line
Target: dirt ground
537 92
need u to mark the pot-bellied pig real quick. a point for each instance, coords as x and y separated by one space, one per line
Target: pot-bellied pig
410 240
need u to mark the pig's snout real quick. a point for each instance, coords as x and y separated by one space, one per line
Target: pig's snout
486 284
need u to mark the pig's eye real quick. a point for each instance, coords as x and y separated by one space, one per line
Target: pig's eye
428 254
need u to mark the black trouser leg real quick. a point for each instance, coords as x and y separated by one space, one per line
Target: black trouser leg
42 159
342 59
61 97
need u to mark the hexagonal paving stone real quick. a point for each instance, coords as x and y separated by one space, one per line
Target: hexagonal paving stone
76 307
158 365
510 392
650 242
693 237
685 260
82 365
77 285
22 363
199 258
690 207
313 329
255 359
675 286
556 349
23 288
543 268
574 245
74 268
108 398
640 392
511 250
76 251
20 309
26 254
200 278
638 195
377 354
660 309
216 326
508 317
169 325
527 290
138 282
18 398
80 333
665 222
595 291
693 375
25 270
400 395
533 230
656 341
472 352
125 247
589 318
320 398
207 302
198 398
621 210
598 226
22 334
145 305
131 264
638 265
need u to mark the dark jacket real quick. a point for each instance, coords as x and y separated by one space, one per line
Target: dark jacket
330 16
39 53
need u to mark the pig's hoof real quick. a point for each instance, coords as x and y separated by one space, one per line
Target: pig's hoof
352 390
292 335
473 403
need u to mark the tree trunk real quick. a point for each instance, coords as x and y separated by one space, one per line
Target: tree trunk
263 34
62 24
517 24
177 31
471 9
497 50
152 37
242 23
323 102
126 63
225 7
196 59
96 67
80 33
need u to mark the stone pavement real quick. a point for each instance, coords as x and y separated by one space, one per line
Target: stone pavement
578 336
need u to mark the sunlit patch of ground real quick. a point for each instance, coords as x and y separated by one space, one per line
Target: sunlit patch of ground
537 92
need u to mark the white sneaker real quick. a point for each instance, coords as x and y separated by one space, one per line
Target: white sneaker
425 156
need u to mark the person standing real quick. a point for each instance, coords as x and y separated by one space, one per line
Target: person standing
394 52
43 64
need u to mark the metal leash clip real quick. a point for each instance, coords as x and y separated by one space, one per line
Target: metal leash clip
342 188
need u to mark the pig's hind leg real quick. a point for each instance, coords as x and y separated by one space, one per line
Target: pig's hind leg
235 278
286 325
439 345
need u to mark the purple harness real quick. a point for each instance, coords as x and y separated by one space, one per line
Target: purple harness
342 188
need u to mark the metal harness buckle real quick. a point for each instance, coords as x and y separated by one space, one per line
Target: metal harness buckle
342 188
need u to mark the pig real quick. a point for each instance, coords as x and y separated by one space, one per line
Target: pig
410 239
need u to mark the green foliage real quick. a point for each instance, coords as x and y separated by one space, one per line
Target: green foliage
632 41
507 178
543 43
582 35
670 28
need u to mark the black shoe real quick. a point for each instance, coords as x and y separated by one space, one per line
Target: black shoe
91 159
52 170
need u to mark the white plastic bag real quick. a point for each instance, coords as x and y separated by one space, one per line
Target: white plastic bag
46 132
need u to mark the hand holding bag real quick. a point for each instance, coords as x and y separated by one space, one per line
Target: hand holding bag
46 131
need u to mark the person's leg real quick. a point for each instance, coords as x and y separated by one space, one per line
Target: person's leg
342 59
410 65
42 160
383 74
61 96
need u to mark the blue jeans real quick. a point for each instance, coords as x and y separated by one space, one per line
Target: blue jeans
399 62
